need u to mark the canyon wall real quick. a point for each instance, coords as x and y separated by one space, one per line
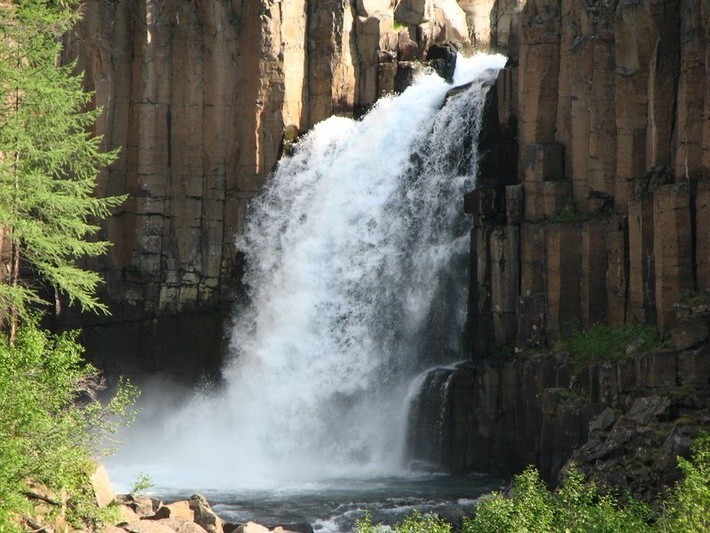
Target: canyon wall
200 98
604 218
635 416
592 208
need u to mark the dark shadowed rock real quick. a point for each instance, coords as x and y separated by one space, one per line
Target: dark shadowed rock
442 58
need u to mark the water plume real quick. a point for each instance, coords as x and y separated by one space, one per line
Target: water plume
356 251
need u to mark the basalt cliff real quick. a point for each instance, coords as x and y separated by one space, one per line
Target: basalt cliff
592 206
201 98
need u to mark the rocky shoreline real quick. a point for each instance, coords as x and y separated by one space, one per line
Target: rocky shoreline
146 514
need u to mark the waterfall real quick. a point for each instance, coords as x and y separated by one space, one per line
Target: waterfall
356 251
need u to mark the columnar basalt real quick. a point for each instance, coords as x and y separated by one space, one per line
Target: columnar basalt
200 97
613 185
604 221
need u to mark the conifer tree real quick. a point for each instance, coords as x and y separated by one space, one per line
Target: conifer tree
48 163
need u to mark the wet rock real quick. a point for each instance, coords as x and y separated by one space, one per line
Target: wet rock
442 58
296 528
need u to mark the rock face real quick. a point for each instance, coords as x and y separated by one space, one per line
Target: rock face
592 207
506 414
198 97
603 220
605 108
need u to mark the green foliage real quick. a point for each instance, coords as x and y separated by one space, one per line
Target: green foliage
610 343
578 506
48 158
575 506
688 508
418 522
414 523
142 484
571 214
51 424
528 507
365 525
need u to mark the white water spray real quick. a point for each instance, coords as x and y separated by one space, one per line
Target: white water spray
356 255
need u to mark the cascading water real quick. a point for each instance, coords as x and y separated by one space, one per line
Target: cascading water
356 252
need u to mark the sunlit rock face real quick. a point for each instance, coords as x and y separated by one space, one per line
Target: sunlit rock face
198 96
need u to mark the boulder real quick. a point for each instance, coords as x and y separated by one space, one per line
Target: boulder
147 526
442 58
293 528
180 510
604 421
181 526
368 8
649 409
414 12
252 527
204 515
143 506
128 515
101 485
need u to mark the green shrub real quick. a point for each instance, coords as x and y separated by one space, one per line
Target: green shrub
578 506
575 506
528 508
51 424
414 523
688 507
365 525
417 522
610 343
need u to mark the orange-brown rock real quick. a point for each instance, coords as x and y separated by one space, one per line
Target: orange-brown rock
179 510
562 278
101 485
197 97
613 134
672 248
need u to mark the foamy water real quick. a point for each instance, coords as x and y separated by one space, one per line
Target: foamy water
356 252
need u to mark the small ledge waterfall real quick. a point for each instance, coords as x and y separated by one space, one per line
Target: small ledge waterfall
356 251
